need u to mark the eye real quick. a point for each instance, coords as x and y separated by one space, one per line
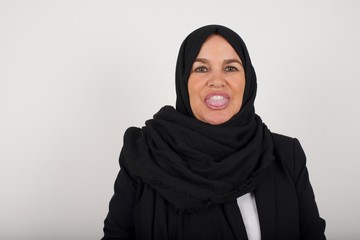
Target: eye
201 69
230 69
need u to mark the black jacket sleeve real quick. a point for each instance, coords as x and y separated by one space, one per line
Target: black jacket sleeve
312 226
119 223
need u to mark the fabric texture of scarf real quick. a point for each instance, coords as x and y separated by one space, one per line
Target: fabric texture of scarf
193 164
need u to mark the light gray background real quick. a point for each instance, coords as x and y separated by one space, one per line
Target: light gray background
75 74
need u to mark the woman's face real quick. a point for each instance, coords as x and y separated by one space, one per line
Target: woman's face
216 82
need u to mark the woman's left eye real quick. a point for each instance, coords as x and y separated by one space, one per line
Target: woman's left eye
230 69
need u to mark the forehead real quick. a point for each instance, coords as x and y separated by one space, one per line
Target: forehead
217 46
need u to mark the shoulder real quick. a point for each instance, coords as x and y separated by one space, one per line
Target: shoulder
132 134
281 140
132 150
285 144
134 141
288 152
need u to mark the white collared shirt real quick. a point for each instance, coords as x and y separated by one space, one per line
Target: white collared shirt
249 213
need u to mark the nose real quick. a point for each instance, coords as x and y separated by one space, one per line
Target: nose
217 80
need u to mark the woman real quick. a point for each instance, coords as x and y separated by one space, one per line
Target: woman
211 169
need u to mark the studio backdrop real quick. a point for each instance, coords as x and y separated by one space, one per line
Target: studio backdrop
74 75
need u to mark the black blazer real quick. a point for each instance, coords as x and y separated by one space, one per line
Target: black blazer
284 198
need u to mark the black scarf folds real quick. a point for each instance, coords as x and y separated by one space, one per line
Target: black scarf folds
193 164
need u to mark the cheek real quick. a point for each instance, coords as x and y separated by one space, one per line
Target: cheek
238 90
194 88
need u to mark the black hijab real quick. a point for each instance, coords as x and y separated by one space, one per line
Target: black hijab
193 164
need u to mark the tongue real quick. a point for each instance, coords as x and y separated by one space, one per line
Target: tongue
217 104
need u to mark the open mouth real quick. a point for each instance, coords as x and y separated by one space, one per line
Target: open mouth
217 101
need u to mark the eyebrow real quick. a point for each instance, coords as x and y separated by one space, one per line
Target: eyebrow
202 60
226 61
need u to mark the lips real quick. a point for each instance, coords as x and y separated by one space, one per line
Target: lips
217 100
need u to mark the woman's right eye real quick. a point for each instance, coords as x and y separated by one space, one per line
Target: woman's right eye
201 69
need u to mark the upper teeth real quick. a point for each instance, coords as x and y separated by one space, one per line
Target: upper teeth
217 97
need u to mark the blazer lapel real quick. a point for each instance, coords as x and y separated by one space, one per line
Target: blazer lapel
235 220
266 204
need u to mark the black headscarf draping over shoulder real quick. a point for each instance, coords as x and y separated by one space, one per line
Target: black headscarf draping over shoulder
193 164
